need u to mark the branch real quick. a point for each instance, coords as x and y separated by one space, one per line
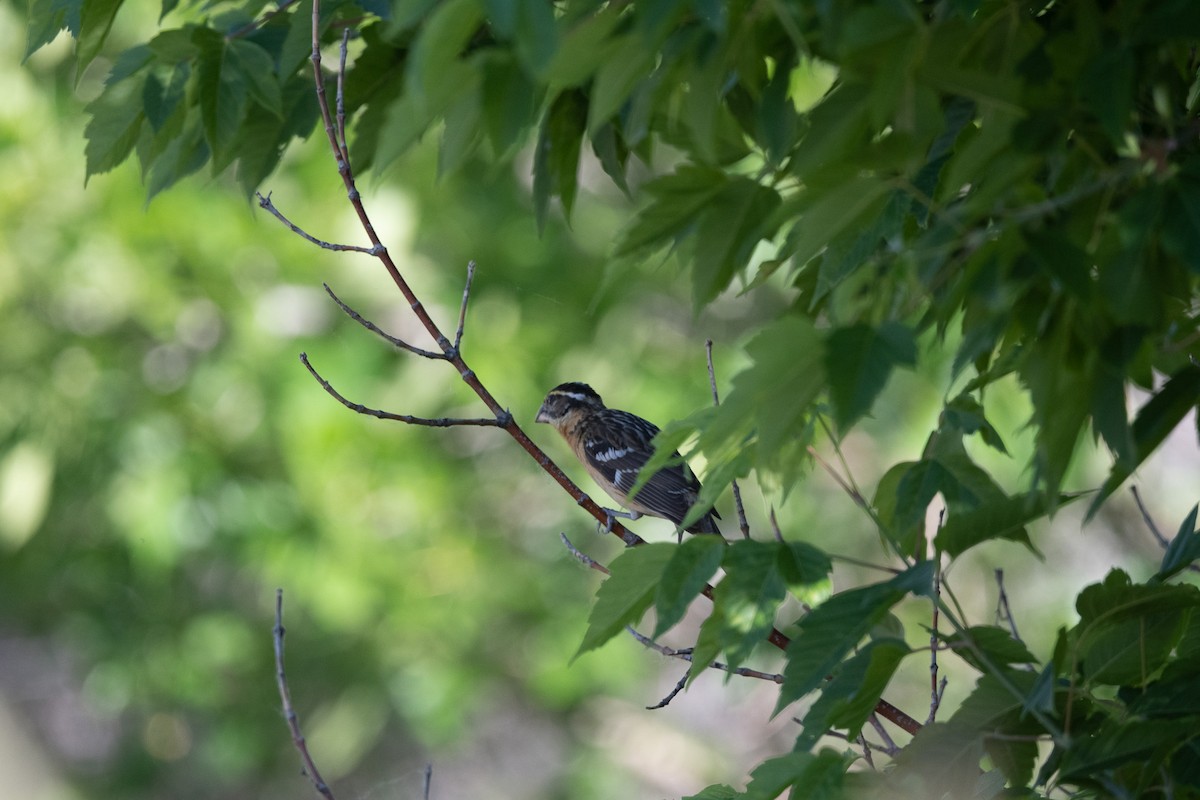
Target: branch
289 713
265 202
441 422
583 558
375 329
685 654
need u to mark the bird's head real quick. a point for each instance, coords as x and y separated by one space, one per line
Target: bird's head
567 399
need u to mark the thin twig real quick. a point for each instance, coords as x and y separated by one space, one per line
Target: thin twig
934 697
861 740
1003 612
375 329
462 309
1137 497
341 97
581 557
427 782
265 202
441 422
685 654
866 748
775 525
737 492
667 700
889 746
867 564
289 712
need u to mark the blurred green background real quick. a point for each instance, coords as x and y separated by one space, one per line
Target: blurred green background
166 463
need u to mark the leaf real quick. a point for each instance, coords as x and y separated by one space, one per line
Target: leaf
997 644
966 414
222 92
536 34
691 566
1183 549
1003 518
46 19
509 103
436 75
257 70
801 565
95 21
556 157
624 65
859 360
820 776
835 627
744 604
676 200
731 226
114 127
1157 418
825 214
850 697
715 792
1126 631
1117 744
624 597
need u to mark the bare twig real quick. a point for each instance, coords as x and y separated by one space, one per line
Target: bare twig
737 492
866 748
462 309
867 564
889 746
375 329
427 781
265 202
441 422
775 525
341 97
289 712
685 654
583 558
1137 497
935 698
1003 612
671 696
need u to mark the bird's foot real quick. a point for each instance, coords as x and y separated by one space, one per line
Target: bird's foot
611 515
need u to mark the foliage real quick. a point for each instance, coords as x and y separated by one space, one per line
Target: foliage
1016 185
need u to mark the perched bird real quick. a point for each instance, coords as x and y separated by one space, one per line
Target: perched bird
614 445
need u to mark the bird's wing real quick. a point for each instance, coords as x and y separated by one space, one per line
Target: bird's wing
618 446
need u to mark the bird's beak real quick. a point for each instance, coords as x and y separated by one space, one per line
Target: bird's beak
541 415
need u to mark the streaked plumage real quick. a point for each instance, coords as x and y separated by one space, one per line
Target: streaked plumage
614 445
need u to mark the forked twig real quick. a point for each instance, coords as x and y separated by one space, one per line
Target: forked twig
375 329
264 201
289 712
685 654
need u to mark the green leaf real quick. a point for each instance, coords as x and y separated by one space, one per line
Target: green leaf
715 792
114 127
996 644
1126 631
1183 549
1116 744
834 628
1157 418
744 604
222 92
850 697
622 68
556 157
624 597
95 21
436 75
509 103
536 34
802 565
1003 518
966 414
46 19
257 70
859 360
820 776
825 214
676 199
731 226
691 566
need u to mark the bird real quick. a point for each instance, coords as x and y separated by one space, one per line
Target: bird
614 445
